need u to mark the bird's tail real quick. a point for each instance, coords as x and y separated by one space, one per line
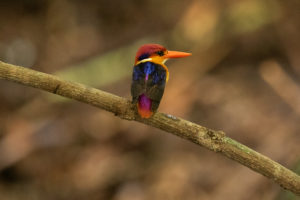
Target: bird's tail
144 106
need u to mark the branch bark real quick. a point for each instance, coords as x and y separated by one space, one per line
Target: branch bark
213 140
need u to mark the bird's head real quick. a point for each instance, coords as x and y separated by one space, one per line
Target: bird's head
157 54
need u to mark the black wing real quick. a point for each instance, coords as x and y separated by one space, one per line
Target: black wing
150 79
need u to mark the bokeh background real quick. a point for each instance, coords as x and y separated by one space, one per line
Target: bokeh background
243 78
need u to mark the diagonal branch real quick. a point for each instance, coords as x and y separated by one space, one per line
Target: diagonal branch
213 140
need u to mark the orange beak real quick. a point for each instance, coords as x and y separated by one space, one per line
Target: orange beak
176 54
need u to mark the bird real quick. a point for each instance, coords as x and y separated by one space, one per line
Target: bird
149 77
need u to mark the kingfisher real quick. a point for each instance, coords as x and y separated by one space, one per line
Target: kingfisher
149 77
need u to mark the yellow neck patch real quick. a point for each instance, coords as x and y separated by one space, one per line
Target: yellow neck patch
157 60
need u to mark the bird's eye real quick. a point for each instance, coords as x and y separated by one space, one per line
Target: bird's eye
160 53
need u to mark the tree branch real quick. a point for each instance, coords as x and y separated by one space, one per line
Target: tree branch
210 139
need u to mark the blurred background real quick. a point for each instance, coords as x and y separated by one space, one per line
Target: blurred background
243 78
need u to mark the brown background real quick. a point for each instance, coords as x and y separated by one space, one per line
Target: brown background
243 78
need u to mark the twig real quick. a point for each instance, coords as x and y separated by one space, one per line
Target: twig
210 139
